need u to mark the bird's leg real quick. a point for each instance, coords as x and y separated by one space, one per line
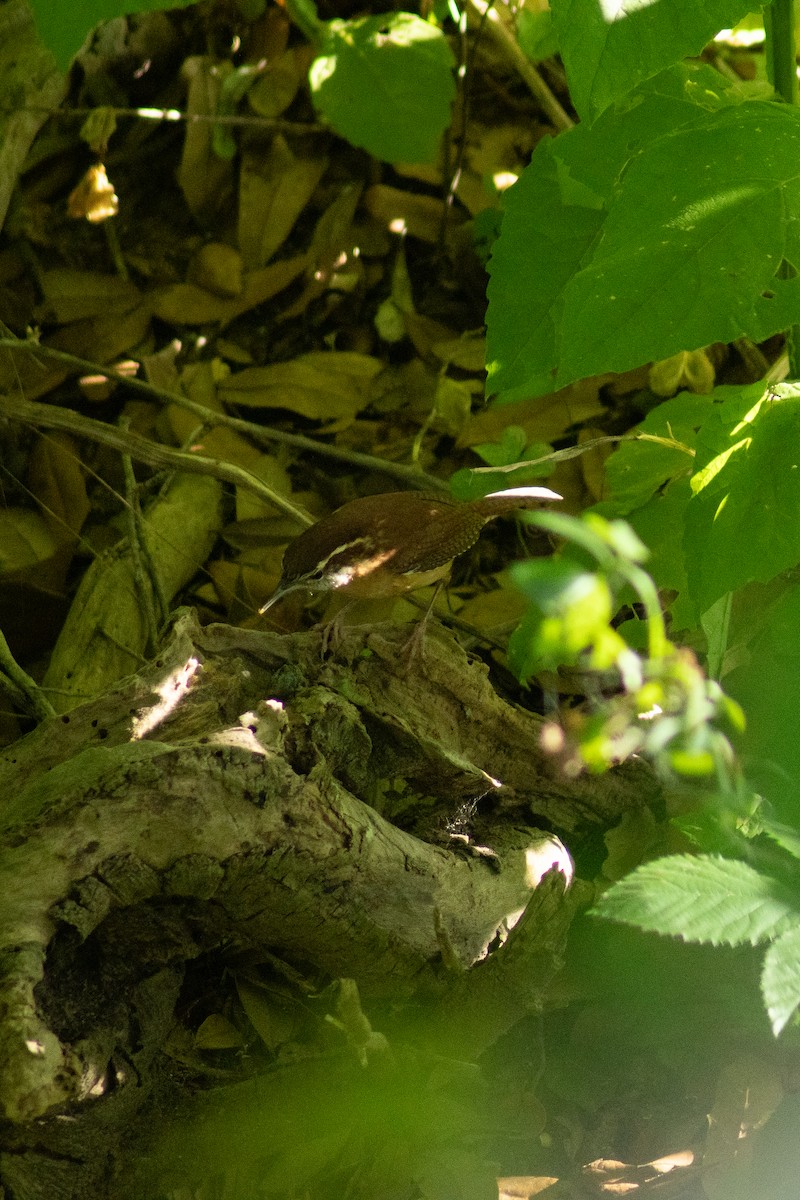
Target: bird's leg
332 635
416 643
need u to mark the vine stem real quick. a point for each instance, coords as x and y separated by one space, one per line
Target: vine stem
779 23
261 434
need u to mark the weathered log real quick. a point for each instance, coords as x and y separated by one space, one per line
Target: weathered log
239 797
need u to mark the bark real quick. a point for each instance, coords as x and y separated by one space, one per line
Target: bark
238 805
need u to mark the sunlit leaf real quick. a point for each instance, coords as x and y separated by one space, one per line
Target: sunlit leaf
780 979
703 899
386 84
608 46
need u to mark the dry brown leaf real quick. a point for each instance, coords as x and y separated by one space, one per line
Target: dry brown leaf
567 480
273 473
409 387
276 87
322 386
26 540
57 480
71 295
160 369
104 338
544 418
335 261
245 588
399 211
500 609
33 87
199 382
33 561
275 1016
206 180
499 150
234 353
333 233
190 304
522 1187
106 632
218 269
467 352
452 405
425 333
29 374
187 304
273 191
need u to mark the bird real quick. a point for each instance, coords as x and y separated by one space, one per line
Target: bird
384 545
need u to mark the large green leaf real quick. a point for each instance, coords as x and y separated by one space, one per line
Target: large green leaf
64 24
695 246
659 523
743 521
649 483
554 215
766 682
386 84
780 979
638 469
530 273
703 899
608 46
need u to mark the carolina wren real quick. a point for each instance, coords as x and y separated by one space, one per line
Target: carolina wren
380 546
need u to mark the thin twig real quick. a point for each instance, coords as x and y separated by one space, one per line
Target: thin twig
20 685
260 434
145 576
47 416
506 41
582 447
278 124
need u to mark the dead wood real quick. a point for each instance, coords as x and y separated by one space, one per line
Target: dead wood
232 803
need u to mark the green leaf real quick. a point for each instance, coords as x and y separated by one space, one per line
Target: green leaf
767 685
780 978
572 612
536 34
554 215
691 762
637 470
704 899
523 314
609 46
649 481
63 27
694 247
386 84
507 449
659 524
590 534
743 521
784 835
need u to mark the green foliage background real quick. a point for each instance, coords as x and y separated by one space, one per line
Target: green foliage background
667 220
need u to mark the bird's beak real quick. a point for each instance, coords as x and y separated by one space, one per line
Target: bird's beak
280 592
